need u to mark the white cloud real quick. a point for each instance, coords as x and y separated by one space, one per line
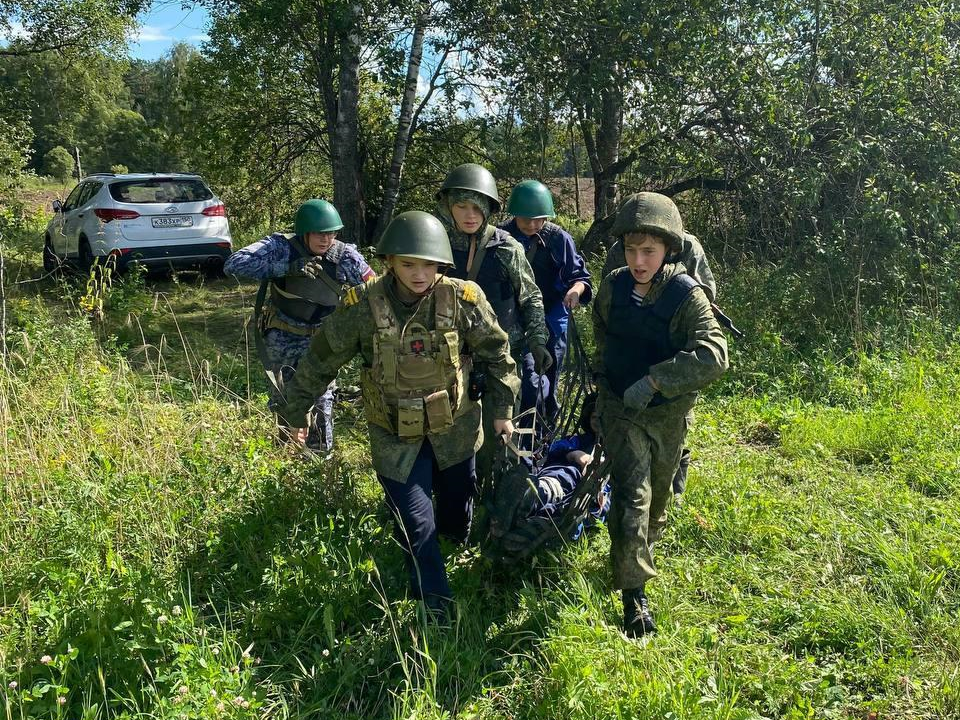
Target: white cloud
202 37
149 33
423 84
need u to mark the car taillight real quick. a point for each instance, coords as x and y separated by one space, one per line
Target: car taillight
216 211
108 214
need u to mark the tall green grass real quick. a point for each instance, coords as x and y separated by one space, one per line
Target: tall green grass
160 557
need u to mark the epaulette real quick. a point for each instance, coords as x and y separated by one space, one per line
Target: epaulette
470 292
355 293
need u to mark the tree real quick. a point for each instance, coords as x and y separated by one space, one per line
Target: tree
58 163
37 26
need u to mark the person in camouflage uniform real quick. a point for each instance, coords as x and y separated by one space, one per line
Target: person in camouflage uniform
305 273
694 261
486 254
559 271
418 334
657 344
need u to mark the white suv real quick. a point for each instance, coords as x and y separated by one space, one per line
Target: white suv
160 220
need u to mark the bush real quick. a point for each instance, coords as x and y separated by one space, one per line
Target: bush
58 163
119 169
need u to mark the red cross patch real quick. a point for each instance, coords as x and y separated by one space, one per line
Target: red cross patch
416 346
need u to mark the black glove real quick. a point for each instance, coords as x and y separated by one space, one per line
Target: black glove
542 359
639 395
306 267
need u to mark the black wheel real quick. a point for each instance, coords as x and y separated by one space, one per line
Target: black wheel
212 269
84 256
51 263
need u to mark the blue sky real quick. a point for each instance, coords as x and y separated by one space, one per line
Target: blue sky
163 25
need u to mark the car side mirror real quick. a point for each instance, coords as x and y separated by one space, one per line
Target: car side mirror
57 206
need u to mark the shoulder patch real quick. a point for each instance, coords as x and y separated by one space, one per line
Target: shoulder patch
471 292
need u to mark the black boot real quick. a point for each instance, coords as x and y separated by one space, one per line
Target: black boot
637 619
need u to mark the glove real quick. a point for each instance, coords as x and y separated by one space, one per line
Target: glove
542 359
639 395
306 267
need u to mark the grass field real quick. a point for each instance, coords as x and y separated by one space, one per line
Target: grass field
161 558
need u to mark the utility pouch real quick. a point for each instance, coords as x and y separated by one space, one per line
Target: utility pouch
373 402
410 418
439 412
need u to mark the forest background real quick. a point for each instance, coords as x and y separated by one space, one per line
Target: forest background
161 558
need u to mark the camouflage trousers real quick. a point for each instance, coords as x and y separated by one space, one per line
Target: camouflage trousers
644 448
285 350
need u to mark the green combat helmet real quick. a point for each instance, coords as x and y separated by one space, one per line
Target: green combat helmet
316 216
471 176
416 234
651 213
531 199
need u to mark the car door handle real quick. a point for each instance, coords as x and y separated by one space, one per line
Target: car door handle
80 216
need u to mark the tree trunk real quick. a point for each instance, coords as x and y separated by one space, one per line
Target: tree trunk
344 139
608 152
391 188
576 171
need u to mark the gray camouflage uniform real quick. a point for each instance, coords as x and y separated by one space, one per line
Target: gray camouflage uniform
271 257
645 445
530 328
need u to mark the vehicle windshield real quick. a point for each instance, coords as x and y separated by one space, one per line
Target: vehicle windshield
160 190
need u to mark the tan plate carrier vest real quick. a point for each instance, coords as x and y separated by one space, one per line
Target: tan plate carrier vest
417 384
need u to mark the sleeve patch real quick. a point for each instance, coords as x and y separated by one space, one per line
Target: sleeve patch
471 292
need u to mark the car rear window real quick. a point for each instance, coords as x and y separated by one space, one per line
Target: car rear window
160 190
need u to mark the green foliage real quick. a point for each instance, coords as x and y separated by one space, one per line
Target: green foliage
37 26
58 163
119 169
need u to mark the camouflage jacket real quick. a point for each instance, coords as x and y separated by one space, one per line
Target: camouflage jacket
693 328
350 331
692 258
532 328
270 257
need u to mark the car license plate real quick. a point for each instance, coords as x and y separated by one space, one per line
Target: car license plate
172 221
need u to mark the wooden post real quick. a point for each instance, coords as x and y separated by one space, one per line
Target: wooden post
76 167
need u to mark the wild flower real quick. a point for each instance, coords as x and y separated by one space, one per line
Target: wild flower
221 707
215 651
46 660
245 704
61 700
12 685
238 700
183 690
177 610
162 619
326 652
